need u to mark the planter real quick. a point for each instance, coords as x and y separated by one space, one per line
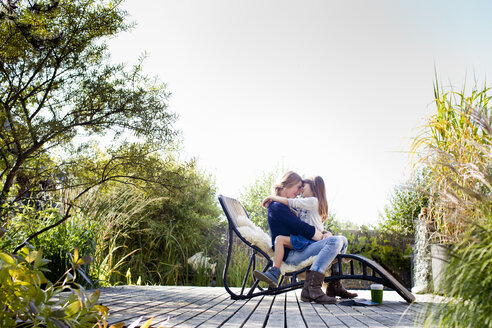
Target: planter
439 261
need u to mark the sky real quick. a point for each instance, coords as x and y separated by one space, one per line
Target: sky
331 88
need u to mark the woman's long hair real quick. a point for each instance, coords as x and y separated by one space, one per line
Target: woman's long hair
289 179
318 187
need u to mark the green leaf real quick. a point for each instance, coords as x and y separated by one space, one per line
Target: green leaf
58 314
76 255
147 323
31 257
73 308
44 262
86 259
32 308
24 252
103 310
39 278
6 258
39 259
60 324
95 296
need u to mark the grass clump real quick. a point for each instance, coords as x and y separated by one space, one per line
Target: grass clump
456 149
467 282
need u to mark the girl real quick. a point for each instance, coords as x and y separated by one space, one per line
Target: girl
313 209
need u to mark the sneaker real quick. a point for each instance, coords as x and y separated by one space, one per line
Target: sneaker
270 277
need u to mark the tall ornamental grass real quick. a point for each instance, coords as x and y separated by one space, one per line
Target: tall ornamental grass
457 149
467 281
133 234
115 214
147 236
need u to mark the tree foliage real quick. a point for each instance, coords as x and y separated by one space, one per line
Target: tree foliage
132 205
145 228
252 196
164 226
405 203
56 83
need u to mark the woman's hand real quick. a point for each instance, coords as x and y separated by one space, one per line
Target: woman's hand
327 234
266 202
273 198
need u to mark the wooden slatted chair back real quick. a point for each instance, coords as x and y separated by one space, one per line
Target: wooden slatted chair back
232 209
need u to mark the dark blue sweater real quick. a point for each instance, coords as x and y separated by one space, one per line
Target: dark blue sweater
283 222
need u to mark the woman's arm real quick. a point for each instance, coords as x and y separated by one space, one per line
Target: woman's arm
272 198
283 221
317 235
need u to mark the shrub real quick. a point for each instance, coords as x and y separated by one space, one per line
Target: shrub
467 283
391 250
253 195
57 243
26 295
405 204
457 144
455 147
170 225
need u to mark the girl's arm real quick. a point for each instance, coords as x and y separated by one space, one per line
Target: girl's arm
272 198
307 203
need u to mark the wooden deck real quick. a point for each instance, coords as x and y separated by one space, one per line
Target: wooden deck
182 306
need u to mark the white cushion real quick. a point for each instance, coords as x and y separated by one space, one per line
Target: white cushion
254 235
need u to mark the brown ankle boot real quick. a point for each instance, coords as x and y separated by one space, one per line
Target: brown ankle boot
335 288
312 289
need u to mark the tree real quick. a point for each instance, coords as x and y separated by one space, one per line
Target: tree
405 203
56 83
253 195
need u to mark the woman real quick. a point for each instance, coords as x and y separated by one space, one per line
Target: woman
283 221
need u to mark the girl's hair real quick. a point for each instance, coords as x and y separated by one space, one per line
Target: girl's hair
318 187
289 179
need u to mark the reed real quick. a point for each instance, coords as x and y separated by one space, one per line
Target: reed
454 146
169 226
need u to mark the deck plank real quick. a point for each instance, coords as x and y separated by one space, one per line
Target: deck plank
325 312
258 318
276 318
359 315
200 320
185 306
160 309
293 317
240 317
180 316
309 314
222 317
349 315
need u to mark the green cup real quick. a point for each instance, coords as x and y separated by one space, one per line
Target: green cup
377 293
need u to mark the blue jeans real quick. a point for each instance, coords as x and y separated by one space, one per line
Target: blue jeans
325 251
